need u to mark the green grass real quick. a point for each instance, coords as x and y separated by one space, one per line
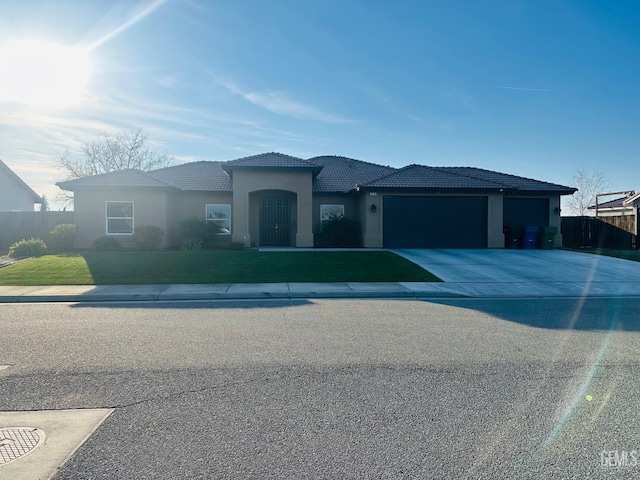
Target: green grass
223 266
624 254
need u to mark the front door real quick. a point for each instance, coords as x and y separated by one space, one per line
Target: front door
275 219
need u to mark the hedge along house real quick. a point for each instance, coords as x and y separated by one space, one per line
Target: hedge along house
274 199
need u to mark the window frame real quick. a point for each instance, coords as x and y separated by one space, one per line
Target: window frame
107 217
329 205
213 220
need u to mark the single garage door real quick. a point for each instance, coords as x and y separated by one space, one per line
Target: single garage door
520 212
435 222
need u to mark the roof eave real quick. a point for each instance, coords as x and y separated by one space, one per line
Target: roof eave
366 188
72 188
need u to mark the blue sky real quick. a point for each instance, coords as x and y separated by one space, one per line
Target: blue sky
534 88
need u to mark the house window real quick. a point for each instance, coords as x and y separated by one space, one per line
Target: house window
219 214
330 212
119 218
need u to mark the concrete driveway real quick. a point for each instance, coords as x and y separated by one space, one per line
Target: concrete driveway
498 266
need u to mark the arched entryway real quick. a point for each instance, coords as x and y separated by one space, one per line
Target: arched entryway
273 217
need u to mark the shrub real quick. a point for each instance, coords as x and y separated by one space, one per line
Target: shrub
106 244
33 247
200 230
236 246
148 237
191 245
338 231
62 237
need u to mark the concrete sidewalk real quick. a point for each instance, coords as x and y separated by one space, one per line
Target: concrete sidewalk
241 291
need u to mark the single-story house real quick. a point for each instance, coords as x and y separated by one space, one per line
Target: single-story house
618 207
279 200
621 212
15 195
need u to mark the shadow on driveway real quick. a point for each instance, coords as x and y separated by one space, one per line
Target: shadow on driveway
595 314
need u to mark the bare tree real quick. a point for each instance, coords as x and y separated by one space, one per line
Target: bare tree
112 152
589 183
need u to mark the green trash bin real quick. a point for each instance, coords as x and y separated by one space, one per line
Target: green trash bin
548 237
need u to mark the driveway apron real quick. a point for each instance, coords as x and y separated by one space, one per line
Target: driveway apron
522 266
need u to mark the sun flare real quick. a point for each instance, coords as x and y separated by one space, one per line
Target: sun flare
43 74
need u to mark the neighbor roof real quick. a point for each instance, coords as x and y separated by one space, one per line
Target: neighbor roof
616 203
422 177
342 174
11 174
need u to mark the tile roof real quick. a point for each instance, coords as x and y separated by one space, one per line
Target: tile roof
270 160
421 177
201 176
11 174
509 181
342 174
121 178
333 174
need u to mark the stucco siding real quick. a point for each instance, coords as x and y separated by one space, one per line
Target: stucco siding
186 205
150 208
251 181
350 203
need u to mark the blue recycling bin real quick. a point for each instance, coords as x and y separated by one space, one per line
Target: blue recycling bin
529 237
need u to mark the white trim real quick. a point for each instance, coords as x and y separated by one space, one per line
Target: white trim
227 219
107 217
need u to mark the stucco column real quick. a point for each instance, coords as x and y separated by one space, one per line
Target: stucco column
555 219
304 234
495 221
372 220
240 217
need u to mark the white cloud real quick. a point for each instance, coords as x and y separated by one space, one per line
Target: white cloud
167 81
528 89
281 104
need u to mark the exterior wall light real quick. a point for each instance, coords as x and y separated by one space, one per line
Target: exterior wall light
374 209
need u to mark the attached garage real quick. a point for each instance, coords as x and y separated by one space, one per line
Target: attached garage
435 221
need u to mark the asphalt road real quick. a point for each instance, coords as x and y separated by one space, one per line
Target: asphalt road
336 388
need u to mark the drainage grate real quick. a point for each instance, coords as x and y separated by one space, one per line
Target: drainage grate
16 442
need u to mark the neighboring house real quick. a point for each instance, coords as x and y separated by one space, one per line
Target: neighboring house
15 195
621 212
280 200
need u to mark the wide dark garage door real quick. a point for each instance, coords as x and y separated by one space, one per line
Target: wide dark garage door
435 222
520 212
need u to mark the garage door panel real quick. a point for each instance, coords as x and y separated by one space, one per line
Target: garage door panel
520 212
435 222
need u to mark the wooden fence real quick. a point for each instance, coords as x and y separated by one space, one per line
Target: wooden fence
15 226
626 222
590 232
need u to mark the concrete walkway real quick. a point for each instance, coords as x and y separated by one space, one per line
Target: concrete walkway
110 293
466 273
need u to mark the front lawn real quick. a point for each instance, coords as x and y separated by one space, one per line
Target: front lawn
633 255
213 267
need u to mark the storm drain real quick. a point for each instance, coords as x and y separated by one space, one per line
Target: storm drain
16 442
